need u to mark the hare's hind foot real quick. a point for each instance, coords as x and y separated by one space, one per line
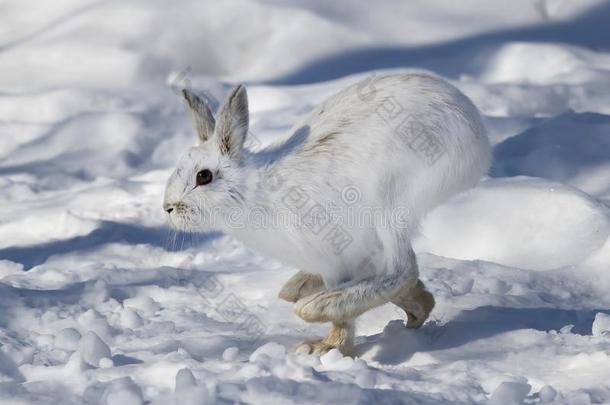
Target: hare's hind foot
301 285
340 337
324 306
417 302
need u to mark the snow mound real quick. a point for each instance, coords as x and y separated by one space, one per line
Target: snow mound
88 145
572 148
230 353
601 324
185 380
544 64
93 349
25 229
547 394
520 222
509 393
67 338
122 391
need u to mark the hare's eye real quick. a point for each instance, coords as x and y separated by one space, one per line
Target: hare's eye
203 177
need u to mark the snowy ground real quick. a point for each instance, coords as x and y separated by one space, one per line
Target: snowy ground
100 303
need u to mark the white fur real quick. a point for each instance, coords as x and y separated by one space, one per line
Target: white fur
349 143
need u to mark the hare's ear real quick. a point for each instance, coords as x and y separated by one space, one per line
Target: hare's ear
233 123
201 115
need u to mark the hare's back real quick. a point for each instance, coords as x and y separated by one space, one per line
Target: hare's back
391 105
396 130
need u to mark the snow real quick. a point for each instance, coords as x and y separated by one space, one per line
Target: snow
101 303
230 353
509 393
185 380
601 324
501 230
93 349
547 394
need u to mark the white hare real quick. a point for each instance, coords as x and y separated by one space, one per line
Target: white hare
340 196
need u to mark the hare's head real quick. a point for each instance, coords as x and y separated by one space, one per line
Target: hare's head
207 178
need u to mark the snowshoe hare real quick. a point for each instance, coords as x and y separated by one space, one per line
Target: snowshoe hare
340 196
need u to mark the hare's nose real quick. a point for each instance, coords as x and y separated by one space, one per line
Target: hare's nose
168 208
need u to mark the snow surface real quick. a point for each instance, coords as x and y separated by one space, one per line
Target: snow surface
101 303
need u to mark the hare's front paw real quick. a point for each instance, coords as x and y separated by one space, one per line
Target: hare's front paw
301 285
321 307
